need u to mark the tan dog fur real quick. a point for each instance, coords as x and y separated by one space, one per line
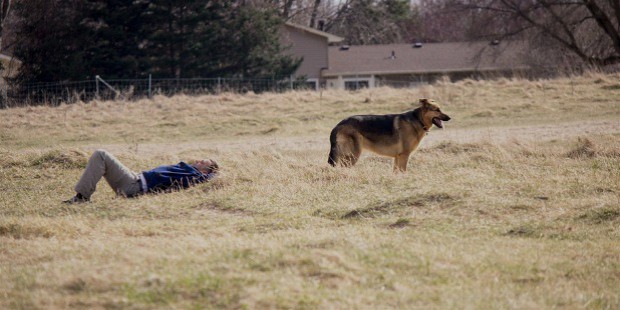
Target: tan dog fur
393 135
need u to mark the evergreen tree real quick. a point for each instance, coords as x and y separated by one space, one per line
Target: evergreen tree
192 38
76 39
184 37
115 29
252 47
49 40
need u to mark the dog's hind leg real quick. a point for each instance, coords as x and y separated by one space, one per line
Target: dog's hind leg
332 158
347 150
353 151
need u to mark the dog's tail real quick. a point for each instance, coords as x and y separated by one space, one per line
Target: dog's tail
333 151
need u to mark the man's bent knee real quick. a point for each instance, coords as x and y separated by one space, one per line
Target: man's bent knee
100 152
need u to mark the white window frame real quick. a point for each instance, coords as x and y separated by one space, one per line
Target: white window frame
315 81
370 79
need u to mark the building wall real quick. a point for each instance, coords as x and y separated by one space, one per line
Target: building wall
311 47
350 82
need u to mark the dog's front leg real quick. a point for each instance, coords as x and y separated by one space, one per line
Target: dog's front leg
400 162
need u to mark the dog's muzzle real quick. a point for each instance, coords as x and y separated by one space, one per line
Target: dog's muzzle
439 121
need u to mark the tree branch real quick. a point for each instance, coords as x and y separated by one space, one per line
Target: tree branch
604 22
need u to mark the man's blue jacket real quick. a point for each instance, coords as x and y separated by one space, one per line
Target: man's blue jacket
181 175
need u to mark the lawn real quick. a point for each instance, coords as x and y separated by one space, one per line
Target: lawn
515 204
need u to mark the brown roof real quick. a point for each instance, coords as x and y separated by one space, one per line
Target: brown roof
330 37
430 58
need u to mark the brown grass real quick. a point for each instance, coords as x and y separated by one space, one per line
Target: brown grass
513 205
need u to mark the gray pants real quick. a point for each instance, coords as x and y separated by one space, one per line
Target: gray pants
103 164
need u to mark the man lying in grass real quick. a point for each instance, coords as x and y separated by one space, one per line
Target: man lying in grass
129 184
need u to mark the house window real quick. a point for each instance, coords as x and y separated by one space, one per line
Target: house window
312 84
355 85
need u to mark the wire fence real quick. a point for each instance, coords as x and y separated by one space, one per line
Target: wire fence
132 89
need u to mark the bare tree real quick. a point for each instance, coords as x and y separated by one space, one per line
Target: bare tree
589 29
5 8
315 10
371 22
358 21
448 21
310 12
437 21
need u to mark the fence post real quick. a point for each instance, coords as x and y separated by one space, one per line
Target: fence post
116 92
97 86
290 78
4 97
150 86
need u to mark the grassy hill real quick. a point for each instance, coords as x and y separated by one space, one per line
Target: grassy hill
515 204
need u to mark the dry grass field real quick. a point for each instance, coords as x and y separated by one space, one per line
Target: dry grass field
515 204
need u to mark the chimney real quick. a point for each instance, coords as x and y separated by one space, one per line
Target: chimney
393 56
321 24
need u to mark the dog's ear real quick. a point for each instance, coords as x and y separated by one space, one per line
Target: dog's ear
424 102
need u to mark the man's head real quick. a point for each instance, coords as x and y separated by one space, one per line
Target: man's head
206 166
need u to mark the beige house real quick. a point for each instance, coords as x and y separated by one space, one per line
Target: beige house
405 65
327 64
312 46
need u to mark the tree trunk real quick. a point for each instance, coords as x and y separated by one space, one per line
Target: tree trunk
314 12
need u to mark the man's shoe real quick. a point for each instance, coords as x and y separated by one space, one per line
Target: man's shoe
77 199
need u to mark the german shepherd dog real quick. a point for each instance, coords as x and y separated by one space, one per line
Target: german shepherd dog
393 135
